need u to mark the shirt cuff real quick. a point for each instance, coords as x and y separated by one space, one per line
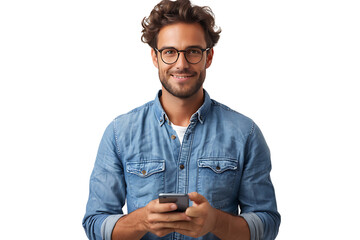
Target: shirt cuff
108 225
255 225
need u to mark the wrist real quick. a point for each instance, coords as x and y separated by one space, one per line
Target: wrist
130 226
142 222
228 226
221 224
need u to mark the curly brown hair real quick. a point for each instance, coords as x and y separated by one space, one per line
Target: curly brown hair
168 12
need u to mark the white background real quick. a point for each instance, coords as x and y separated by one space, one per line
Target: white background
67 68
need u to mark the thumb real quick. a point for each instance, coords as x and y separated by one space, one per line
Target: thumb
197 198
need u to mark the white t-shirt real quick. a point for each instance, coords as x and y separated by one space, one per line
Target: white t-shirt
180 131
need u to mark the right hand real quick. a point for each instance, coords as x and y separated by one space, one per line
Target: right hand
157 215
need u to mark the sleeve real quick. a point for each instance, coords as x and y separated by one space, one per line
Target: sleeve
107 189
257 195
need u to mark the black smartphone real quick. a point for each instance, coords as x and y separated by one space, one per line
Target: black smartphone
181 200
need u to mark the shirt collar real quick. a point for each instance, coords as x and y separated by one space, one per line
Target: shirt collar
159 111
200 114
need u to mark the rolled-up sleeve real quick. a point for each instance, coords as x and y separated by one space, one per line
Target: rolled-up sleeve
257 195
108 225
107 189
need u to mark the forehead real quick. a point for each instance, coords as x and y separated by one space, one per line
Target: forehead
181 35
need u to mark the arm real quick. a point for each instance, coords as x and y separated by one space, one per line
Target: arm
230 227
130 226
256 195
107 190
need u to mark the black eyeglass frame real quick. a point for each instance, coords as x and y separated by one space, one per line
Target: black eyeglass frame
178 54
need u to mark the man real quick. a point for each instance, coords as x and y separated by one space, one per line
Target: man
182 142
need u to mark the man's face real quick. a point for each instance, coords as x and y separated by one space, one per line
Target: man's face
182 79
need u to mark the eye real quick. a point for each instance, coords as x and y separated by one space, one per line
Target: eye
194 51
169 51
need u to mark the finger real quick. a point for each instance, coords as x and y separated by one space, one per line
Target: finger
168 217
193 212
200 205
197 198
157 207
183 225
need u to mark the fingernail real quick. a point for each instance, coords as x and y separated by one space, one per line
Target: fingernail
173 206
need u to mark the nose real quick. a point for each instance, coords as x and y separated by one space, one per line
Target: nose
182 63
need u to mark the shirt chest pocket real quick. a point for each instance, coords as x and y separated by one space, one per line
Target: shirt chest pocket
218 165
144 181
146 168
217 180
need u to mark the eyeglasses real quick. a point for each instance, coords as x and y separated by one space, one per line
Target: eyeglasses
192 55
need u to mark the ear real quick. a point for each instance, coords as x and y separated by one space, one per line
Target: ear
154 58
209 57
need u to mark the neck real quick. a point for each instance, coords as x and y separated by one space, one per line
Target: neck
180 110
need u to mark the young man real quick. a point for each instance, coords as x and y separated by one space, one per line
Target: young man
182 142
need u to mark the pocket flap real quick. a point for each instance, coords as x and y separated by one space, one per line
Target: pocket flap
218 165
145 168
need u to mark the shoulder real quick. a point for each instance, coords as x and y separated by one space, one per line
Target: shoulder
231 121
227 112
135 113
133 118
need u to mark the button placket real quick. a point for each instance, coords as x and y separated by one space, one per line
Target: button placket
184 158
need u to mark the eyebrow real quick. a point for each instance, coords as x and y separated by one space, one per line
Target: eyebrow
192 46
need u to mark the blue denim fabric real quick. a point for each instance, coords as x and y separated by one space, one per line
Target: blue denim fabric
225 156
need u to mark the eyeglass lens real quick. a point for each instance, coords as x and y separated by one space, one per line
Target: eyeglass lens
192 55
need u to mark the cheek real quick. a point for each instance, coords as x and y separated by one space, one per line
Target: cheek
163 68
201 68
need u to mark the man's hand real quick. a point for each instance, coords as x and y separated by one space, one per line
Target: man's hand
198 220
201 218
205 219
159 217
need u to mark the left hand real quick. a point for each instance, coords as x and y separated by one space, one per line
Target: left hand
202 215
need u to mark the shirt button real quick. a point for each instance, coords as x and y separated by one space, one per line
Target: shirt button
182 167
218 168
143 172
173 137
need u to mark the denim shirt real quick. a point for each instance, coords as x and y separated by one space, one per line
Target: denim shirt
223 156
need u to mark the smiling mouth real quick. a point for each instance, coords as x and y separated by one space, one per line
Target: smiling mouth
181 77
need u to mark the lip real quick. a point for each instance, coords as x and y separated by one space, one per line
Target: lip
181 77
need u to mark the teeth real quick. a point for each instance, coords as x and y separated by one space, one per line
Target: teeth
181 76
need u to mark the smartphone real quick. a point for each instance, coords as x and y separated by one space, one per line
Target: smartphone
181 200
